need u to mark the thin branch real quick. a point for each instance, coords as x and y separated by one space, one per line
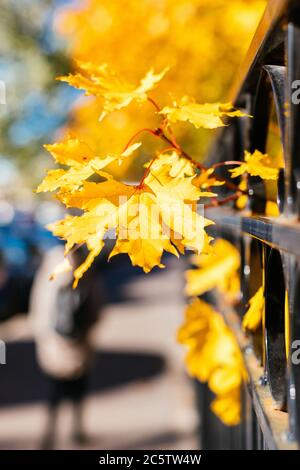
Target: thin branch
159 132
221 202
146 173
151 100
227 162
145 129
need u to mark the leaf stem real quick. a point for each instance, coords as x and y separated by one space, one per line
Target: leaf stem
221 202
151 100
227 162
145 129
173 144
160 133
146 173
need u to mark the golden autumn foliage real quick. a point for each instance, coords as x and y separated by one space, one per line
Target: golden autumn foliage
216 269
208 115
213 354
214 357
99 81
202 43
253 317
195 38
256 164
155 215
124 170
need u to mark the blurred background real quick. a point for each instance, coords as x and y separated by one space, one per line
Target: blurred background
137 394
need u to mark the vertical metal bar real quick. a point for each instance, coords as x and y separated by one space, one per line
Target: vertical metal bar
293 365
292 143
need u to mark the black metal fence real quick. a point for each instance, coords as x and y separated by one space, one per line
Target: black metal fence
267 88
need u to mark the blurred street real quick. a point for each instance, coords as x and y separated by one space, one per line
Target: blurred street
139 395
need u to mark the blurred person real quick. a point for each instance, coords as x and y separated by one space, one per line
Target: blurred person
14 290
62 318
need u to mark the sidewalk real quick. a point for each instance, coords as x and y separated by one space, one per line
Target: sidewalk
148 401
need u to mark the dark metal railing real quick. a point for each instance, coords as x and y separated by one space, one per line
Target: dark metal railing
270 247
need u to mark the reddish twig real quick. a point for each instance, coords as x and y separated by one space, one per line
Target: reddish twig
221 202
146 173
151 100
227 162
145 129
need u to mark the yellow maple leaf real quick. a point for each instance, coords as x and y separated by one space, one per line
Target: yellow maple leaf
95 245
100 81
214 357
218 269
205 179
91 194
178 166
83 228
224 379
272 209
141 235
177 199
70 152
89 228
256 164
150 218
207 115
68 179
228 407
253 317
82 162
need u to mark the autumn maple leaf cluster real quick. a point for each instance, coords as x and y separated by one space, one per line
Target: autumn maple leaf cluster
160 211
157 214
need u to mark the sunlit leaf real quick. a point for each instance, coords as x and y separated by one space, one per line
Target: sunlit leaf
208 115
256 164
215 270
100 81
253 317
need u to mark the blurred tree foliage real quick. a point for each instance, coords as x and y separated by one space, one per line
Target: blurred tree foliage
202 41
30 59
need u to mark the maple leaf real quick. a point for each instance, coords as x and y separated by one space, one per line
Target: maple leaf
68 179
92 194
214 357
177 199
228 407
89 228
206 179
272 209
141 235
149 219
140 231
256 164
95 245
168 189
100 81
253 317
208 115
70 152
179 166
82 229
82 162
218 269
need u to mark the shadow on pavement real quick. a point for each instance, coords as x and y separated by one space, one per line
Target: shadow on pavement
23 382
